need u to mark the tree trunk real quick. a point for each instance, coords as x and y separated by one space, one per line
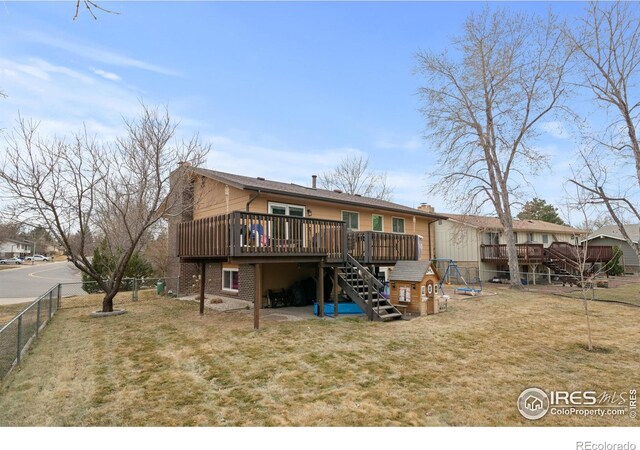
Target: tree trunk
107 301
512 255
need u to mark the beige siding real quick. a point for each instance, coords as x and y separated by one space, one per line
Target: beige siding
456 241
210 199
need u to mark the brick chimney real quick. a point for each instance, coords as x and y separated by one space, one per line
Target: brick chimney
426 208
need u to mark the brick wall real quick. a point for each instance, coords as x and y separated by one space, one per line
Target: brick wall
180 209
247 282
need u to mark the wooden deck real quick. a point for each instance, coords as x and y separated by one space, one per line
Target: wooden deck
243 235
536 253
527 253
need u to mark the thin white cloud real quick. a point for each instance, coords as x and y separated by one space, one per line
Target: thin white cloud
410 144
107 75
96 53
556 129
63 99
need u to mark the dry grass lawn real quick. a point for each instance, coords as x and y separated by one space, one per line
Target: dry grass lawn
8 312
161 364
628 293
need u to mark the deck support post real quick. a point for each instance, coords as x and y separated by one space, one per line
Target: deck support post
535 269
203 280
370 299
320 289
257 301
549 275
335 291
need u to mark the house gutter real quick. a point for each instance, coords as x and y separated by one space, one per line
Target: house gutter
252 199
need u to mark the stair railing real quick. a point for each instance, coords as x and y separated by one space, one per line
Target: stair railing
371 281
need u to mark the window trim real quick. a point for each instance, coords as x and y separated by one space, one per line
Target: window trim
286 206
403 225
381 222
231 270
351 212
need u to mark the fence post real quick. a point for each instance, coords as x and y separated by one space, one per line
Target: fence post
178 287
19 339
134 291
38 316
59 296
50 305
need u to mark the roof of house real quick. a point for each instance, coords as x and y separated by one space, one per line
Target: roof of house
296 190
613 232
493 223
409 271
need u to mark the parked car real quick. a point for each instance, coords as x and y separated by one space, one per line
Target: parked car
13 260
37 258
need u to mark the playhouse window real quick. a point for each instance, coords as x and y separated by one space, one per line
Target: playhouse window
405 294
230 280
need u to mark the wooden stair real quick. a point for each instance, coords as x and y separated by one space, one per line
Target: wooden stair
560 266
364 289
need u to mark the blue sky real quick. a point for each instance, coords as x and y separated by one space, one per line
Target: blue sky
281 90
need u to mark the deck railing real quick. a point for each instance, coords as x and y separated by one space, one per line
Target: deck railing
243 234
375 247
594 253
527 253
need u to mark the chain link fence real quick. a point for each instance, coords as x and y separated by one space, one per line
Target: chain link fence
17 335
88 293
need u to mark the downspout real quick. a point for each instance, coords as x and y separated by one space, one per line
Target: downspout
252 199
429 239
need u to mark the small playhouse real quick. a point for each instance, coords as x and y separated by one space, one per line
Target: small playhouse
413 287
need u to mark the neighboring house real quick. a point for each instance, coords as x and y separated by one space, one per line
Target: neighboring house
253 235
14 247
477 244
610 235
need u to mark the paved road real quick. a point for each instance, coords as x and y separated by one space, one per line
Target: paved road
27 282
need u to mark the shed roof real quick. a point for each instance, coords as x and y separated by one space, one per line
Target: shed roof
296 190
613 232
409 271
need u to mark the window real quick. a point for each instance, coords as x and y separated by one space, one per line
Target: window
282 209
515 237
530 237
405 294
230 280
352 219
377 222
545 238
285 230
492 238
398 225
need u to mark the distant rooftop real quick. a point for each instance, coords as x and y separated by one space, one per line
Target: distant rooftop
493 223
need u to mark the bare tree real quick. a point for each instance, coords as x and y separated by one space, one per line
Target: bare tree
583 254
607 44
483 105
80 188
353 176
156 252
91 6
